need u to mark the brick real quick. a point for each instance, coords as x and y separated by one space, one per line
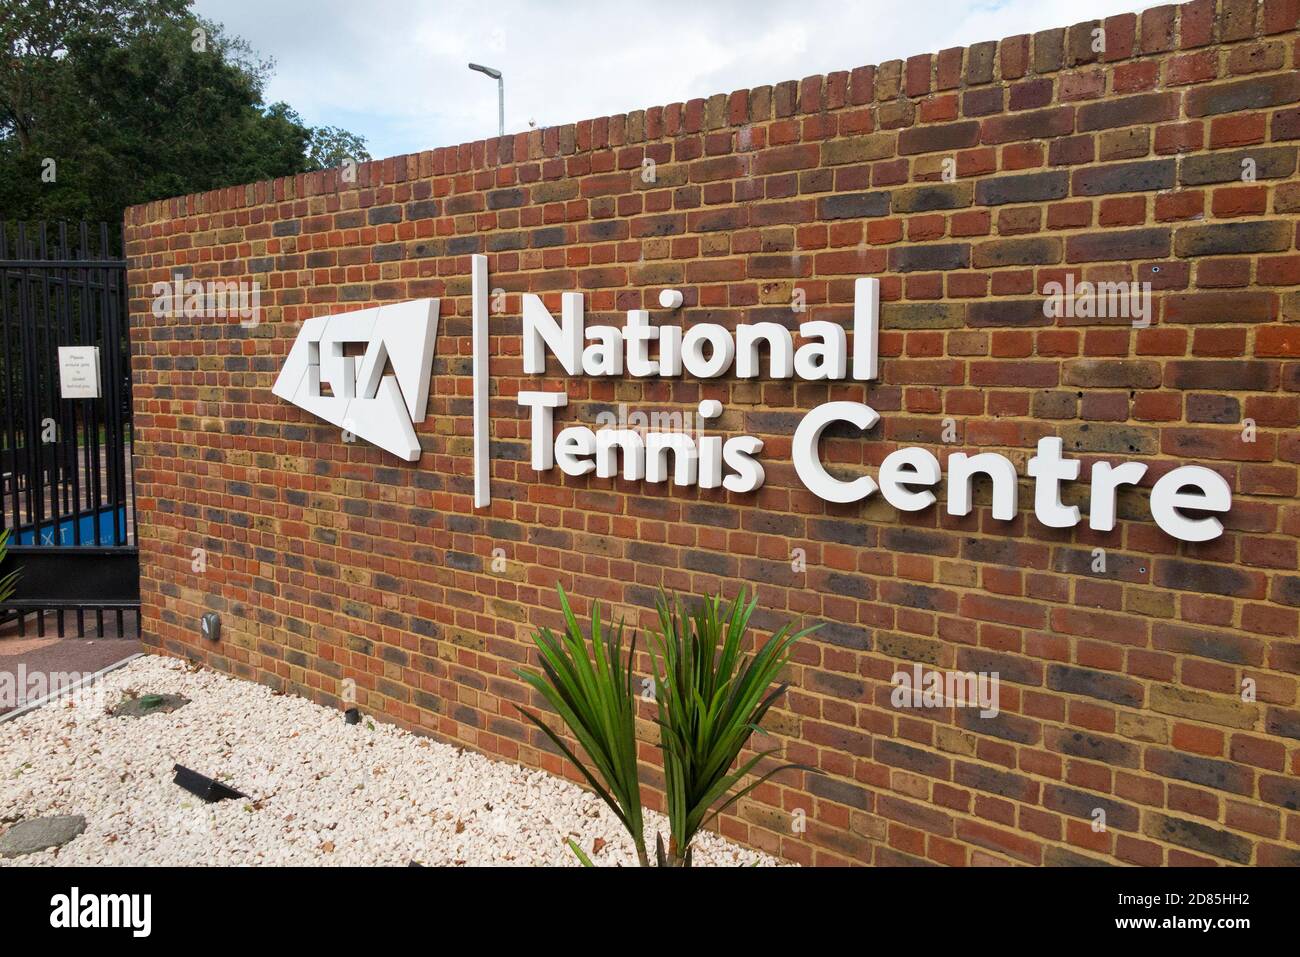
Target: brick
1253 94
1095 684
920 199
853 206
996 781
1222 238
1158 29
1123 144
1127 111
1199 706
1025 188
1220 307
1207 643
938 137
1092 747
841 792
1032 125
1198 837
1013 252
504 199
1286 125
1004 842
1283 722
1083 805
982 102
929 257
899 755
1207 772
1113 374
1124 178
1118 245
858 149
979 63
921 315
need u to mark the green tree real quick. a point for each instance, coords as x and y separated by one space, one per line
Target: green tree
108 103
331 145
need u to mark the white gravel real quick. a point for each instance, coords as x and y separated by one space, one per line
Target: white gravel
320 791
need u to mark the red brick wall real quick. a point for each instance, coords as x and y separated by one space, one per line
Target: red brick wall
1120 690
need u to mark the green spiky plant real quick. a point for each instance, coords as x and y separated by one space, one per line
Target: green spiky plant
710 696
589 684
9 582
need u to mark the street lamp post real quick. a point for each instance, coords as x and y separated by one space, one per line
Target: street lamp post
501 94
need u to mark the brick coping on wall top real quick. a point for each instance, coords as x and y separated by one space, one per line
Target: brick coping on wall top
893 87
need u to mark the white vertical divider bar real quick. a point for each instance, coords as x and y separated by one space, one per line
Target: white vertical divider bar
866 328
479 344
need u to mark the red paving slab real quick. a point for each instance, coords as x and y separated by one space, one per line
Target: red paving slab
60 655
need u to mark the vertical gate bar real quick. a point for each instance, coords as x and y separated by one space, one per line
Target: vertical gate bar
122 391
73 337
121 367
85 331
51 394
49 463
104 453
29 447
129 384
113 414
54 338
12 382
95 479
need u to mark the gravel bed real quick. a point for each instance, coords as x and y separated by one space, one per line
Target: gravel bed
319 790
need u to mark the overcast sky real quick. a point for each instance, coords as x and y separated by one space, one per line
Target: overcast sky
395 71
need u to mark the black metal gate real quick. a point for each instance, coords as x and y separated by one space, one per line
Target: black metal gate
65 426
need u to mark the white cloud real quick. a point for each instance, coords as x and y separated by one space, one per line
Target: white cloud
396 72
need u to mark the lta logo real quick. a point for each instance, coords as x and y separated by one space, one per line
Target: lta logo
361 398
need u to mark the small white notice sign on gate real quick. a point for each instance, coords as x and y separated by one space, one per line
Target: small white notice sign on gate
79 372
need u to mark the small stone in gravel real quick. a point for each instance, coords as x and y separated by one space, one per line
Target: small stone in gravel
149 704
40 834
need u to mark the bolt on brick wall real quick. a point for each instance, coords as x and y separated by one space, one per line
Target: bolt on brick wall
1158 696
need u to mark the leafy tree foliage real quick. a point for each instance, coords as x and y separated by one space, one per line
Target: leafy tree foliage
331 145
107 103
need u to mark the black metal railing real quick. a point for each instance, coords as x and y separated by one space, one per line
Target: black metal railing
65 462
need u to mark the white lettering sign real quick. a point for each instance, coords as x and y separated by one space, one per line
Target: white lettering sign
374 406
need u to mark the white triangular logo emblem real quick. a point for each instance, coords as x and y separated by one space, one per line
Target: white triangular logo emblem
362 399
